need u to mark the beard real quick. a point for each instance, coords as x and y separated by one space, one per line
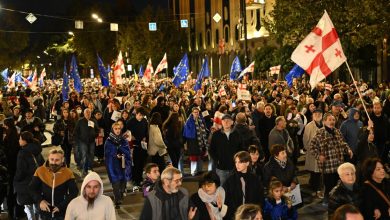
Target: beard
90 200
55 167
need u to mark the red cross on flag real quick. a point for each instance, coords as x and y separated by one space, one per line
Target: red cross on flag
275 70
148 71
162 65
119 70
320 53
222 91
242 86
249 69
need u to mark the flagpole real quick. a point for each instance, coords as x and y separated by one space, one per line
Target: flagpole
356 86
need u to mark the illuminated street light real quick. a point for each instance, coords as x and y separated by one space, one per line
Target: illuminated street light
99 20
71 33
95 16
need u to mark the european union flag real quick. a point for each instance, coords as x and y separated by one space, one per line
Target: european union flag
65 85
74 73
103 72
18 77
235 69
204 72
162 87
141 71
30 77
295 72
181 72
4 74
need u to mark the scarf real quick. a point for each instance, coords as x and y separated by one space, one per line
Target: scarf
211 202
283 164
330 130
115 138
201 134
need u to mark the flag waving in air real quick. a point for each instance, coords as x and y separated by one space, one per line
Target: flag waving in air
204 72
320 53
148 71
103 72
235 68
249 69
42 77
65 85
74 73
162 65
119 70
181 71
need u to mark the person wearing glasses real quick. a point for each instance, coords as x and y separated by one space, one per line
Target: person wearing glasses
168 200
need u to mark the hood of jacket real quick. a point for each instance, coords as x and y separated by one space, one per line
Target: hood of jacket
91 176
352 112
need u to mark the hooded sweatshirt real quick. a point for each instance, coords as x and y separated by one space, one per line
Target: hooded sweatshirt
103 207
350 130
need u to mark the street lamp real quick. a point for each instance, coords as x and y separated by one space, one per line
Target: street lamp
71 33
95 16
99 20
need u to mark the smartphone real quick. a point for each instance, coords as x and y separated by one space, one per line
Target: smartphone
233 104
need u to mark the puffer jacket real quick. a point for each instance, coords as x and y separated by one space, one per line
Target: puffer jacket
340 195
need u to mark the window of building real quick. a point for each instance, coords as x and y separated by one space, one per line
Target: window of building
200 40
237 32
207 18
193 41
216 37
258 20
226 33
208 38
225 13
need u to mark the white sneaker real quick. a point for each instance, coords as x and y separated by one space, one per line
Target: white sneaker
302 152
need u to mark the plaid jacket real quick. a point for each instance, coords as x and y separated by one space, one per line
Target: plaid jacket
332 147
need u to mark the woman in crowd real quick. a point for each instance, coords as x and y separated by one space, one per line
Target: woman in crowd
173 130
29 159
156 146
118 162
346 191
210 198
64 129
11 148
375 191
248 212
281 167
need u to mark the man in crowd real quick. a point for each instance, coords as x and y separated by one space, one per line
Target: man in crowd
85 132
53 187
266 124
329 147
381 131
279 135
33 125
91 203
168 200
225 143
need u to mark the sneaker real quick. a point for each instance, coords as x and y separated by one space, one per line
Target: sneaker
320 194
136 188
302 152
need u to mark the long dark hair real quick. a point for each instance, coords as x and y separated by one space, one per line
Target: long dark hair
173 123
156 120
29 137
11 128
369 166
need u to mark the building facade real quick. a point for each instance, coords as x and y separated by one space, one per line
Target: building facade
216 30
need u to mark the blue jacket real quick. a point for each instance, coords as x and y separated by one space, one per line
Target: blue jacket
189 130
273 211
350 130
113 164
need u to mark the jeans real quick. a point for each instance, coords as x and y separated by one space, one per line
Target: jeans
223 175
87 153
31 212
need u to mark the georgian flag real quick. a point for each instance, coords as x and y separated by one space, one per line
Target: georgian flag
162 65
148 71
119 70
320 53
42 77
11 81
275 70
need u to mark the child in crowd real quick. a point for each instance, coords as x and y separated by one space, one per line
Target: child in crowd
152 175
277 206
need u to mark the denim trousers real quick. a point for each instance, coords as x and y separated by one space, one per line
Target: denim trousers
87 153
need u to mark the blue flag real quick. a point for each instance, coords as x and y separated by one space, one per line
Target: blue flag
4 74
65 85
295 72
18 78
74 73
141 72
235 69
103 72
181 71
204 72
162 87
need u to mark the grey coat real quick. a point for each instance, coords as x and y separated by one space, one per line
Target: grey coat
310 161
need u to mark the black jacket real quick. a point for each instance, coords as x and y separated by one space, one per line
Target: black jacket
340 195
254 192
84 133
223 149
248 136
371 200
201 209
273 169
25 169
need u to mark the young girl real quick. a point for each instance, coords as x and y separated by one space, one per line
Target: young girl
257 161
276 205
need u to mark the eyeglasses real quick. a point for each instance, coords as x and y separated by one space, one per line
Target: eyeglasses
177 181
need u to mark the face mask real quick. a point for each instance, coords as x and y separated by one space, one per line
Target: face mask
78 111
54 167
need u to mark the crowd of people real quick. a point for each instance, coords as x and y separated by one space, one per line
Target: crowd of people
251 145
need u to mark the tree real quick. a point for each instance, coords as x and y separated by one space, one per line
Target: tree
143 44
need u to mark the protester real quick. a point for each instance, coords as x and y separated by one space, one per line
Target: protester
248 211
53 187
33 125
118 162
28 160
63 129
152 173
91 203
210 198
156 146
168 200
173 130
347 212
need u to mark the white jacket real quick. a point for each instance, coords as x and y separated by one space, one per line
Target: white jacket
103 208
156 143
